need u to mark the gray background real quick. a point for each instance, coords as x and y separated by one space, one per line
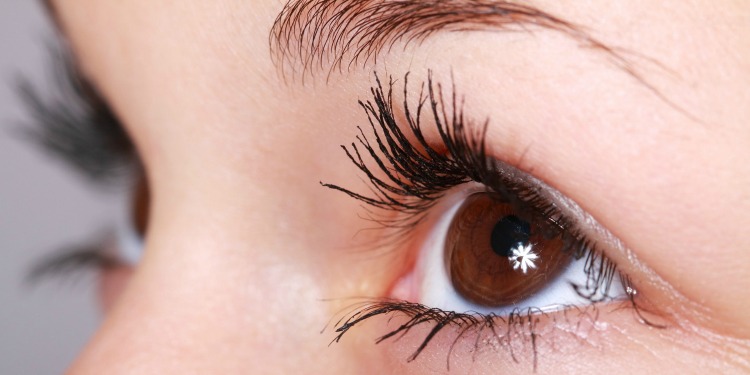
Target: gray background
43 206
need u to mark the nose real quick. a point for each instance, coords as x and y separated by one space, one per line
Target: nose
213 298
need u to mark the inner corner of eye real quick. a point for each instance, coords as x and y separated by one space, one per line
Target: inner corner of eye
484 254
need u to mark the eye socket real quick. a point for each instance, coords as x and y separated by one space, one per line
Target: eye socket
418 186
486 253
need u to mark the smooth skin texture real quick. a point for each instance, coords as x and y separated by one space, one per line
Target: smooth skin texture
248 257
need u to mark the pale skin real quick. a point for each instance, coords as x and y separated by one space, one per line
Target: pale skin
245 249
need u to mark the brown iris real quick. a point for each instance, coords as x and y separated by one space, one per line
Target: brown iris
483 247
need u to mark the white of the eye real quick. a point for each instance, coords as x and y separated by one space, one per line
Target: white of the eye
128 243
435 288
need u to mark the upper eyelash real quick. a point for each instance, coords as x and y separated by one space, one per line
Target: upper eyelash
76 124
414 181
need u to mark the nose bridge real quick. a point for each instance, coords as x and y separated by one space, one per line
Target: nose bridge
204 302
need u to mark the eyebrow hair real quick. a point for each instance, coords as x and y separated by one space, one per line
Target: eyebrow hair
310 35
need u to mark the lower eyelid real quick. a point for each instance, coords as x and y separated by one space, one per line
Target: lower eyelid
112 281
461 341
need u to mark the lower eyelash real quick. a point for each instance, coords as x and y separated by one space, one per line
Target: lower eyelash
71 262
487 329
519 324
502 330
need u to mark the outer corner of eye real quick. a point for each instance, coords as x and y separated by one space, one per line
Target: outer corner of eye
486 253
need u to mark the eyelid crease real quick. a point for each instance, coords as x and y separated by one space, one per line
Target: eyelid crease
627 261
580 219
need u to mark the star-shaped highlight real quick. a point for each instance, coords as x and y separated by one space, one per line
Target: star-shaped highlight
523 257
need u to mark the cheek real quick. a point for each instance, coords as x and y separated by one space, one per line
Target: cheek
112 282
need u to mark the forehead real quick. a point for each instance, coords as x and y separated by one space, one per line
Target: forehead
645 40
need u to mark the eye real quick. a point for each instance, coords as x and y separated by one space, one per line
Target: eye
75 125
488 253
486 244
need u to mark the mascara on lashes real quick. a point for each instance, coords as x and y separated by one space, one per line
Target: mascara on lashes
411 176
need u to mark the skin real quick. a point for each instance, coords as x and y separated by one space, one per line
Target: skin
247 257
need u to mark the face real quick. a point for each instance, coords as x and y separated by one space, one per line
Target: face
557 188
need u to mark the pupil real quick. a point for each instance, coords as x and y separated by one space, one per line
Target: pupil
508 233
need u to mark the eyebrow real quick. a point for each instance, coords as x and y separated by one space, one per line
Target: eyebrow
312 35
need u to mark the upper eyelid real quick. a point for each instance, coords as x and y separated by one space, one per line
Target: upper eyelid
454 130
628 263
573 212
582 222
